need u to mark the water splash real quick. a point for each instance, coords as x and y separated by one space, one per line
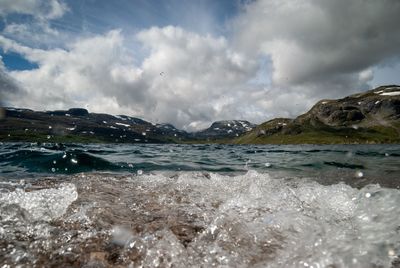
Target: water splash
204 219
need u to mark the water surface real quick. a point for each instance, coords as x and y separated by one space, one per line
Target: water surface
199 205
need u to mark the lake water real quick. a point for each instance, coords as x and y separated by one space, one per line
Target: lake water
199 205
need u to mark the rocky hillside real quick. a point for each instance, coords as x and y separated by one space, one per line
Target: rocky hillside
369 117
78 125
225 129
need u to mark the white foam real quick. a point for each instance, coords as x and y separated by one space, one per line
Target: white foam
46 204
295 222
249 220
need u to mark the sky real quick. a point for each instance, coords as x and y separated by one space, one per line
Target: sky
192 62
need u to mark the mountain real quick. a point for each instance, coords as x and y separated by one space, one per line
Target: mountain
78 125
224 129
369 117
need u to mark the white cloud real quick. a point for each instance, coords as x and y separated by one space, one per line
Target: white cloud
8 86
34 29
41 9
186 77
321 42
306 50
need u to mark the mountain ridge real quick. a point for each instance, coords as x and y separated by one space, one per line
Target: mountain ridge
367 117
78 125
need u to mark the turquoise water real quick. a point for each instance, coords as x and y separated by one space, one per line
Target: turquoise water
199 205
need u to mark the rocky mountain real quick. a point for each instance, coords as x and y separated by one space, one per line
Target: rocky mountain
368 117
78 125
225 129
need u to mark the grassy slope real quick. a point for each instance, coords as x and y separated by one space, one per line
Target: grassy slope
312 135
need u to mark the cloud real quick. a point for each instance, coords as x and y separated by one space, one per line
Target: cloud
281 57
34 28
41 9
185 77
9 88
90 72
311 43
200 74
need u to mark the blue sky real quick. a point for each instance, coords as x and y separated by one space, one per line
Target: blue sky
225 59
89 17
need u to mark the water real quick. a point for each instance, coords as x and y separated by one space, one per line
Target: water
199 205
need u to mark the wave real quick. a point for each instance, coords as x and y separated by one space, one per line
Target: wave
187 219
344 165
73 161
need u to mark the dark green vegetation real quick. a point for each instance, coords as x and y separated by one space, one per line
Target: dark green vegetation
369 117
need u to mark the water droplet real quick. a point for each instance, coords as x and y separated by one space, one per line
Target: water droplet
54 162
268 164
64 156
48 136
386 154
246 166
74 161
53 169
368 195
359 174
121 236
50 127
140 172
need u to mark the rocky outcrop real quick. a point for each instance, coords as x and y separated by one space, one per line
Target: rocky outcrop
369 117
382 103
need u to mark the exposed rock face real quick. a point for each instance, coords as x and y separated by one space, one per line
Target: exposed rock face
372 116
382 103
273 126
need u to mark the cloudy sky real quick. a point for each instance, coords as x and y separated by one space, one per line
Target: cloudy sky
191 62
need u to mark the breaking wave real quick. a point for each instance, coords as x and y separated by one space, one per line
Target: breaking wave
197 219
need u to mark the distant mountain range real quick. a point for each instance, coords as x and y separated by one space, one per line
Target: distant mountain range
78 125
368 117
